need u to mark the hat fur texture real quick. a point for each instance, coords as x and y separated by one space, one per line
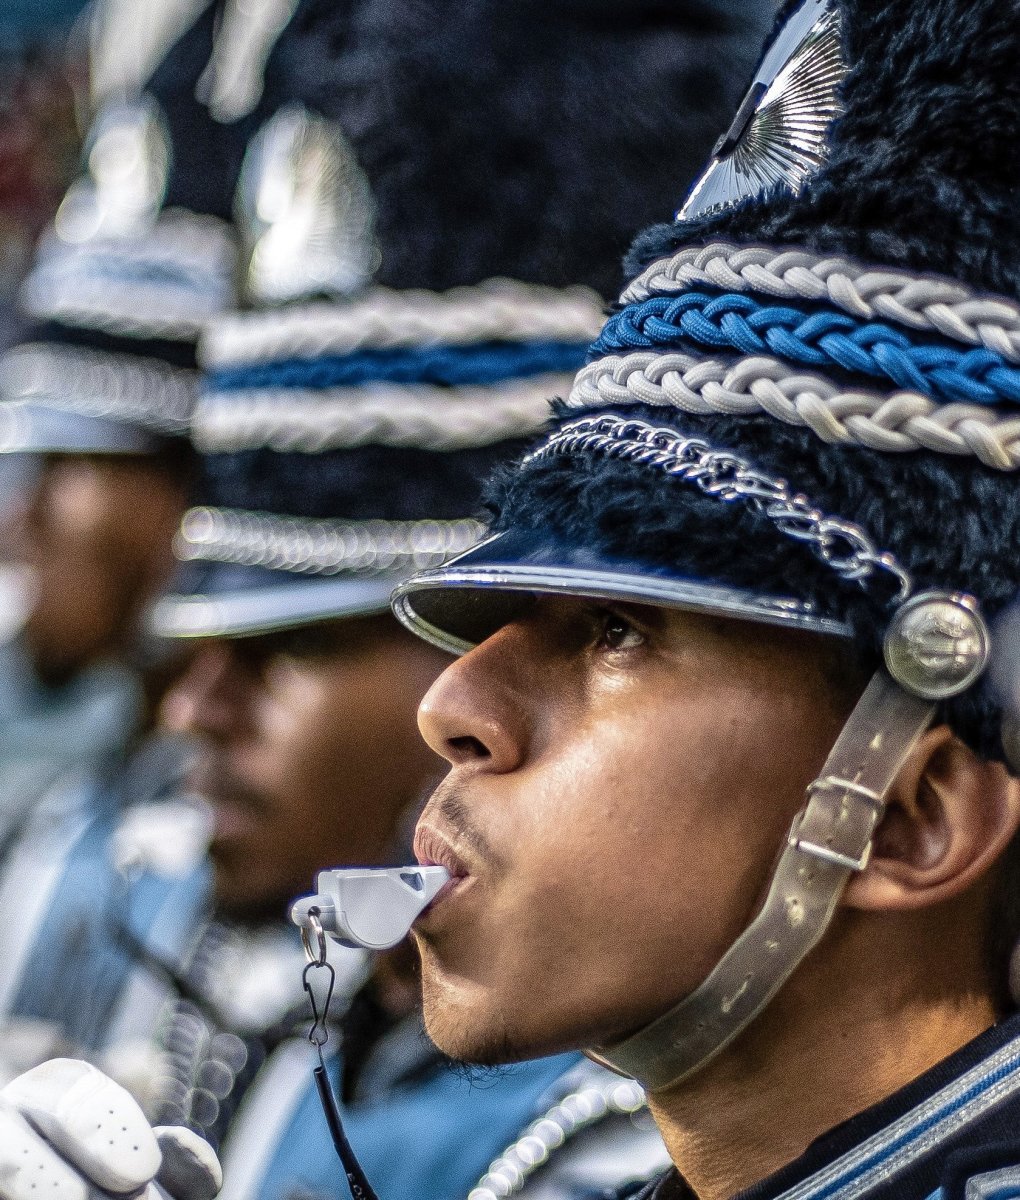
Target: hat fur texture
953 525
523 138
924 172
511 138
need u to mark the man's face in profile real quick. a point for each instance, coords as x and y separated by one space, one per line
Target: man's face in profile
621 781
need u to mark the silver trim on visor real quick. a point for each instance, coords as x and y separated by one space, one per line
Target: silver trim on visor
686 594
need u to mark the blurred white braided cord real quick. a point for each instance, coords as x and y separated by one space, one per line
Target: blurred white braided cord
424 416
97 383
320 547
501 310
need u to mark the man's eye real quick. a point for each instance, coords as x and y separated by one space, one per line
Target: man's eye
618 633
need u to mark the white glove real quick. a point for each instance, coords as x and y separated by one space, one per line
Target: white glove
67 1132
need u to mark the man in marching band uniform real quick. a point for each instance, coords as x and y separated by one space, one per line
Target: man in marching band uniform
732 740
743 685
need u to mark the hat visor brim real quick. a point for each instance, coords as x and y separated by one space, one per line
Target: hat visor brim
458 605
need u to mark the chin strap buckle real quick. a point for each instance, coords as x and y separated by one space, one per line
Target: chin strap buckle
837 822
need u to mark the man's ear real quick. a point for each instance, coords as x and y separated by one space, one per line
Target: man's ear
949 816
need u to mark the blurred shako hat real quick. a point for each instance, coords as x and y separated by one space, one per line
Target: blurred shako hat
805 411
430 222
140 253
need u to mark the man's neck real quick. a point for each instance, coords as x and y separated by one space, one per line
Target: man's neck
814 1059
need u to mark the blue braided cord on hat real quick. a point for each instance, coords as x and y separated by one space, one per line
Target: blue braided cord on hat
823 338
491 362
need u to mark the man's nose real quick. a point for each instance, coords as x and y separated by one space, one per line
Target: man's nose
475 713
209 697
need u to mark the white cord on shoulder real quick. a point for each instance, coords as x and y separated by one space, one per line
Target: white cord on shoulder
923 302
503 310
897 422
425 416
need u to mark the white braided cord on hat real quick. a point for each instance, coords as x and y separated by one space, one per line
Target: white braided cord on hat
895 422
307 546
424 416
125 309
499 310
96 383
921 302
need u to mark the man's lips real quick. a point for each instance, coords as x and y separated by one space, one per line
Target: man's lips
232 820
237 814
208 779
432 849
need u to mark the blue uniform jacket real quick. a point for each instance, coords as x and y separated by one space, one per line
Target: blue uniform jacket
431 1139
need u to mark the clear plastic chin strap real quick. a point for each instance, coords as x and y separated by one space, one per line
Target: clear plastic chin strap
829 840
936 647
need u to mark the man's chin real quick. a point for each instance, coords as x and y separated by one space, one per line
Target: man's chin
471 1029
473 1044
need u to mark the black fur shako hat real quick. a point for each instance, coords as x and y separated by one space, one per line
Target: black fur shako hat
806 409
139 256
473 183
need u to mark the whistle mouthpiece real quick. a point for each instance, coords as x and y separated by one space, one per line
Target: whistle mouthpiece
369 907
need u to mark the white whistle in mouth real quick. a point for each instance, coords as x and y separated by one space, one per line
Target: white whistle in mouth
370 907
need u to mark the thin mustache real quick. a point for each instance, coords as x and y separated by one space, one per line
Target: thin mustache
455 815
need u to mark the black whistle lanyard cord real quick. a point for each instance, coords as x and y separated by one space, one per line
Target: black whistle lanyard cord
318 1035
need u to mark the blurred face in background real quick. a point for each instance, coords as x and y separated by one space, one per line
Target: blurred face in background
309 752
97 533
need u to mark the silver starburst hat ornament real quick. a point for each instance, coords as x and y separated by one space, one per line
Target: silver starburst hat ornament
779 134
418 282
804 411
